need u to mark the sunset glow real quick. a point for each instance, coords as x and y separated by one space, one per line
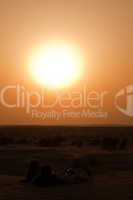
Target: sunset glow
56 66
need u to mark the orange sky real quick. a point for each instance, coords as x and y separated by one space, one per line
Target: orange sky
102 29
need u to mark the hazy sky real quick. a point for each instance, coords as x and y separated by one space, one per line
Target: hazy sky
102 28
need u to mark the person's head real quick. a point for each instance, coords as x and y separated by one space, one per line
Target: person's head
69 172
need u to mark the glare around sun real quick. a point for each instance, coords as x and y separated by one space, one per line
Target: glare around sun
56 66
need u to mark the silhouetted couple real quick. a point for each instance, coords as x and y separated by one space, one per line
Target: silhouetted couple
42 176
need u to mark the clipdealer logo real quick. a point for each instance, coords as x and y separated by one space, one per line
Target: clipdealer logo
93 100
127 93
83 99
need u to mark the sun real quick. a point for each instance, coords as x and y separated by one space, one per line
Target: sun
56 65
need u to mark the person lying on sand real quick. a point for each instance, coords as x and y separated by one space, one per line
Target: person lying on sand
76 176
44 176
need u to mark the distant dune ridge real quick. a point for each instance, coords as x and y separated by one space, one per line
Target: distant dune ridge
31 129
